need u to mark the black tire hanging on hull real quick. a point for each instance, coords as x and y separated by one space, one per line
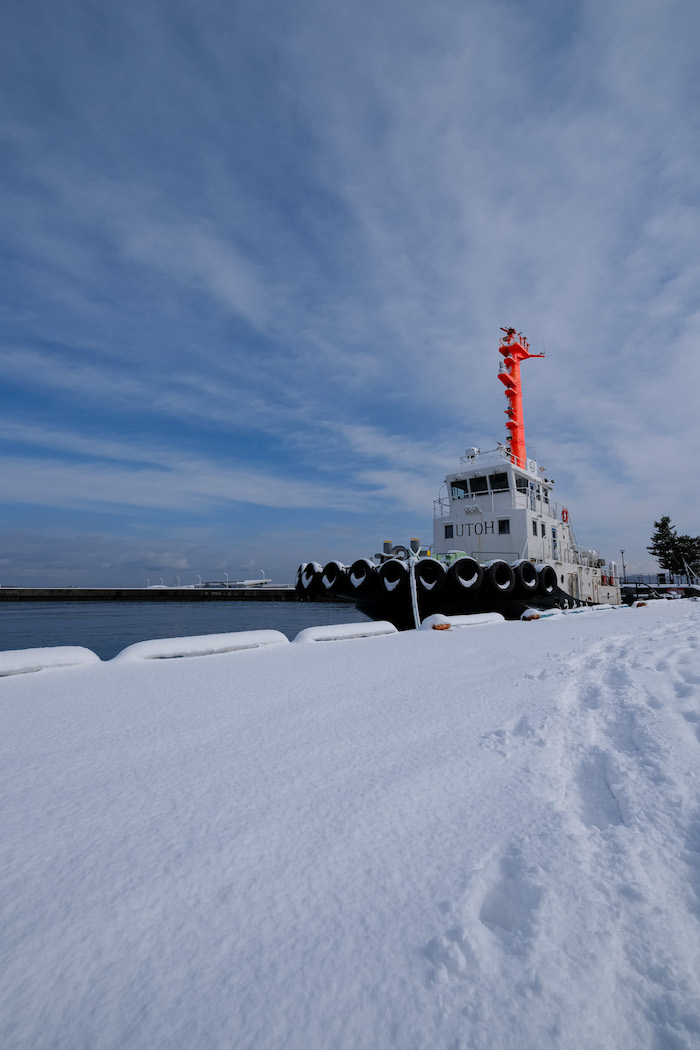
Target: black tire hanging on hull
309 579
526 578
431 576
464 578
362 578
394 581
334 578
547 583
499 578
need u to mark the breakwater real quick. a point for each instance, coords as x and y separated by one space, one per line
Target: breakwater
157 594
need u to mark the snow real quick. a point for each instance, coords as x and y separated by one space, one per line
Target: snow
483 839
437 620
198 645
24 661
337 631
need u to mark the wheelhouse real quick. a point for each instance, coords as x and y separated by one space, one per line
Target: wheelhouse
494 508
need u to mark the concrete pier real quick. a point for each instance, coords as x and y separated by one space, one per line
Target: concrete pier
157 594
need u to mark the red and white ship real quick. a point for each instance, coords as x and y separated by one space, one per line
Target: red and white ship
501 541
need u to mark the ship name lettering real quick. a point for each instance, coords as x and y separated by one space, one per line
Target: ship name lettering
485 528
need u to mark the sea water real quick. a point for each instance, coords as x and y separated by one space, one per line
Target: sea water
108 627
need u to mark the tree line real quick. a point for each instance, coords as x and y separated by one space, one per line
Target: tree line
674 553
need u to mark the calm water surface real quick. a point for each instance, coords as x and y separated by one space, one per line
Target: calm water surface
108 627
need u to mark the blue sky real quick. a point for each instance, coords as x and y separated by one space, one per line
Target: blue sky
256 255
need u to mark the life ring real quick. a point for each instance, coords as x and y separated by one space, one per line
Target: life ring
564 514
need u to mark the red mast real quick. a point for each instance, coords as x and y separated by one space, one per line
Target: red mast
515 349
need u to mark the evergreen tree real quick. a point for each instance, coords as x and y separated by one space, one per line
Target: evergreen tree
673 552
688 553
663 544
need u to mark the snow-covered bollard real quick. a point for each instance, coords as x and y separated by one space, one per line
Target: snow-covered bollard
201 645
439 622
25 661
339 632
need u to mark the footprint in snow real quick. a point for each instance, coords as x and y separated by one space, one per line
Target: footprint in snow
511 902
450 955
520 732
683 689
590 697
694 719
508 909
598 805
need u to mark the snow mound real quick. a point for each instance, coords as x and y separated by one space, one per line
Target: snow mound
200 645
345 631
25 661
438 622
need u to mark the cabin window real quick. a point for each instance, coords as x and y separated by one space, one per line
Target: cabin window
478 485
449 532
543 529
499 482
521 484
534 528
545 494
460 490
504 526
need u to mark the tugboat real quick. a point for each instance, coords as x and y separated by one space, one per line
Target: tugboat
501 542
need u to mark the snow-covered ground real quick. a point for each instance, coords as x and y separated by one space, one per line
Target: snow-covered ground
484 837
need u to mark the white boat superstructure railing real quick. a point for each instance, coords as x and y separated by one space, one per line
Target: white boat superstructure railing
494 457
537 499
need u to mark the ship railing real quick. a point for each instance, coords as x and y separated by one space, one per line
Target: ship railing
492 457
498 501
550 508
557 510
570 556
587 557
662 579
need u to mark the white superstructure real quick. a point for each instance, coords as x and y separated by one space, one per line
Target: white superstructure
493 508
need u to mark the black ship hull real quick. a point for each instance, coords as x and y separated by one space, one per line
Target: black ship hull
399 588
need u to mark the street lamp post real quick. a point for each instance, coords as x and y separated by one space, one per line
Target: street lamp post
226 575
